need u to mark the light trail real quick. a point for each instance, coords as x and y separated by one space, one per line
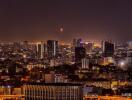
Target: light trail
13 97
105 98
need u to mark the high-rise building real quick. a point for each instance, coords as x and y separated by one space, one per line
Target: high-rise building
85 63
52 48
89 46
53 91
108 48
74 43
25 45
129 44
40 50
80 53
77 42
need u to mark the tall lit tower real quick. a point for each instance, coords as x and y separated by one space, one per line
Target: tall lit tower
52 48
40 50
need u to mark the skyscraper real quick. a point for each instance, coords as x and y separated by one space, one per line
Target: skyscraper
77 43
74 43
40 50
108 48
52 48
89 46
80 53
85 63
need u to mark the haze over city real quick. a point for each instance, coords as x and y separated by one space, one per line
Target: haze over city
43 19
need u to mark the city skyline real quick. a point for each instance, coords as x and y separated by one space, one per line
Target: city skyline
64 20
65 49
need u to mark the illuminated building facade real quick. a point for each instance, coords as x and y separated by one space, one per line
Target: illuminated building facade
53 91
89 47
52 48
85 63
40 50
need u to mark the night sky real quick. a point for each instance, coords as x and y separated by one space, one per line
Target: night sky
35 20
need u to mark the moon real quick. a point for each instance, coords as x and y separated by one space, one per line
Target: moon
61 29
